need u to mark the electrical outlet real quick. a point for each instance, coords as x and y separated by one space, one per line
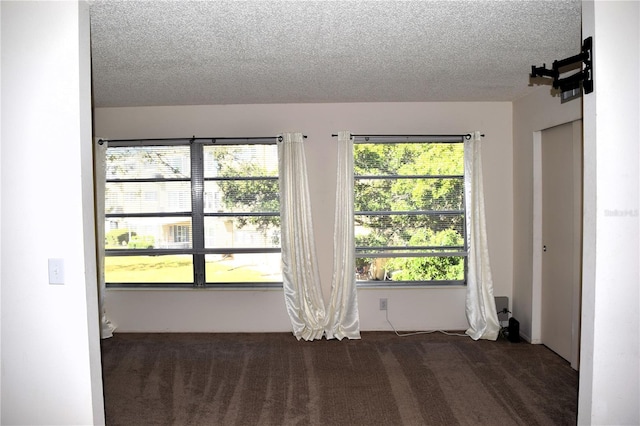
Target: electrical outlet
383 304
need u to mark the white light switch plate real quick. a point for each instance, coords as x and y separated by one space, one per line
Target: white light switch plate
56 271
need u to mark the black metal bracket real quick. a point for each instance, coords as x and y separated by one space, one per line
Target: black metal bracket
582 78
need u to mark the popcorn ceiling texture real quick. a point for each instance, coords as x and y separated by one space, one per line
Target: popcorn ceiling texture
228 52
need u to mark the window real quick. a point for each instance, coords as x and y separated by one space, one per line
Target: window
192 213
180 233
409 211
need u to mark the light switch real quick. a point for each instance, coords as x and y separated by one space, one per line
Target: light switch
56 271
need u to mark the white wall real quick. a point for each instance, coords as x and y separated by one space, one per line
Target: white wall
0 222
610 353
50 359
531 114
263 310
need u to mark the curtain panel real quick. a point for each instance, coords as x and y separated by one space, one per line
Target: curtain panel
480 304
342 317
100 179
300 274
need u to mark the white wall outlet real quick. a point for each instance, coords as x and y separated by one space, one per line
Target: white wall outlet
383 304
56 271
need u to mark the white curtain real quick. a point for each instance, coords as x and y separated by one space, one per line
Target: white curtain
100 175
300 274
480 303
342 317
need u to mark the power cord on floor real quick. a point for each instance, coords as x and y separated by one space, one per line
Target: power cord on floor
419 332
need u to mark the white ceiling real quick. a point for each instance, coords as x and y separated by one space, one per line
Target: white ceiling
237 52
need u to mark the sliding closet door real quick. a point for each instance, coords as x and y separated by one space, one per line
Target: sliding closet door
562 239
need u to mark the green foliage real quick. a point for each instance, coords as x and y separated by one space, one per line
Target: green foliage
429 268
411 178
403 192
118 237
259 194
142 242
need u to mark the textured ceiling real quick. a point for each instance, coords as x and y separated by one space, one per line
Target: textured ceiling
231 52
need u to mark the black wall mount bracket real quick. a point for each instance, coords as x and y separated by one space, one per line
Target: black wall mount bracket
582 78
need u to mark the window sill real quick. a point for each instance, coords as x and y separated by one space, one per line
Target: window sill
188 287
386 285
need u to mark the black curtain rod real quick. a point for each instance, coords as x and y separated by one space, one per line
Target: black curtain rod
192 139
466 136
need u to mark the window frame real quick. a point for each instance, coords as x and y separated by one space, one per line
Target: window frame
197 215
387 251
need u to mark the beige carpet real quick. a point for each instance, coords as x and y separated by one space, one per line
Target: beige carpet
272 379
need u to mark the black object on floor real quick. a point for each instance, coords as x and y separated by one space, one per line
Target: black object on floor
513 333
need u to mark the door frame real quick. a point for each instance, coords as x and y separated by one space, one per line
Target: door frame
536 297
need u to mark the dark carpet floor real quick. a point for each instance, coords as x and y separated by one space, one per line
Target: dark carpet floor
273 379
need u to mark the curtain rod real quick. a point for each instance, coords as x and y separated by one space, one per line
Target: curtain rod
193 139
466 136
